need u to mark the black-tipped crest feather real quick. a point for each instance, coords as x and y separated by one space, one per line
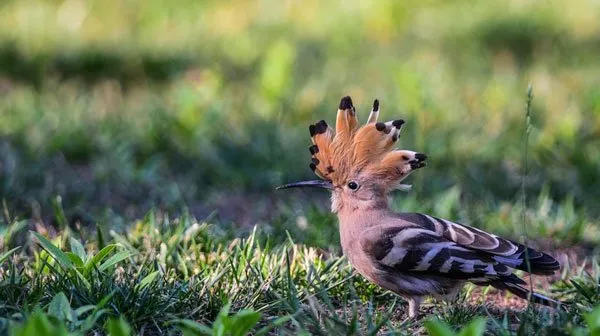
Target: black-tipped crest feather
398 123
321 127
346 103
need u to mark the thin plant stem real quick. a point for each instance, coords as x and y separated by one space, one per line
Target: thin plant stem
524 180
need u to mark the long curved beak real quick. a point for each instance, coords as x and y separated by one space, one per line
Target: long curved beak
305 184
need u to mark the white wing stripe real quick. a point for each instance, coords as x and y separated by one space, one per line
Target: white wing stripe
446 266
394 257
450 228
509 261
406 234
426 261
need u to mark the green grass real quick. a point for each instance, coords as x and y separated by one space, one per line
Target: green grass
123 122
165 273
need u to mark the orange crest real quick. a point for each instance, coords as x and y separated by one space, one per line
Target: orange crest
353 149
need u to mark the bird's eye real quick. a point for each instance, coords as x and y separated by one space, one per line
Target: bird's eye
353 185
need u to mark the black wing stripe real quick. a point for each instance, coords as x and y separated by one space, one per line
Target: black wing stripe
411 260
438 261
382 247
471 254
427 222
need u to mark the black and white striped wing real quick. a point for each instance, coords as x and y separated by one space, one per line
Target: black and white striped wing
502 250
418 250
430 245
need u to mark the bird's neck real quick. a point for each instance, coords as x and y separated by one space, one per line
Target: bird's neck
362 214
351 207
357 218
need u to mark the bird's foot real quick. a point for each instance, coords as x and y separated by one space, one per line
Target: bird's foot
413 307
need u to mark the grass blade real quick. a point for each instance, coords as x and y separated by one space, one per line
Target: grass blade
95 261
115 259
54 251
7 254
78 249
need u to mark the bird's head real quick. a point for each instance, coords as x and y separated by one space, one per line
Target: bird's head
358 163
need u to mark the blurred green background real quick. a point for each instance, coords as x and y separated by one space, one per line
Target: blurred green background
110 108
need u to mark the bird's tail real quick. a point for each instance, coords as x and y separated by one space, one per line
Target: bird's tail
529 260
524 293
536 262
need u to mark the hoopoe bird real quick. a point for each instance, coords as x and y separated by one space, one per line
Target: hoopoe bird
411 254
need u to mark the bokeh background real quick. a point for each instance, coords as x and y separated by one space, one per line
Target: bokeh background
112 108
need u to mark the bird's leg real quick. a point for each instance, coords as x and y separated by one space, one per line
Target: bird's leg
413 306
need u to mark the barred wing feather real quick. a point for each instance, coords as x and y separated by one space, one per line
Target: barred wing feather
428 245
421 251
